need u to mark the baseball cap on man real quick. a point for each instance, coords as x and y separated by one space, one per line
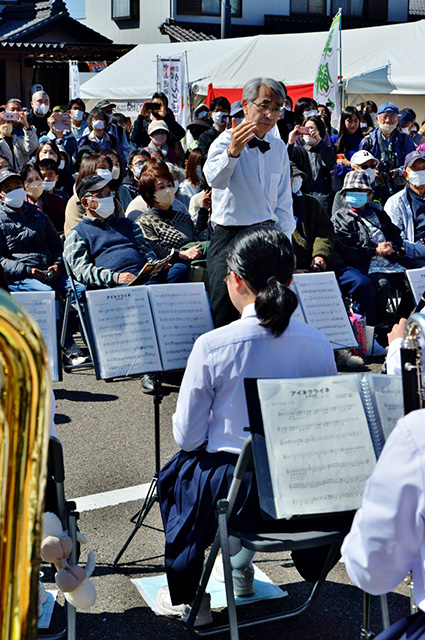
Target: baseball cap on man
406 116
413 156
362 156
90 184
235 108
7 173
104 104
388 107
157 125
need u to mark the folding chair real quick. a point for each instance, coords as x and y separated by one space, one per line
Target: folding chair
72 300
252 458
68 517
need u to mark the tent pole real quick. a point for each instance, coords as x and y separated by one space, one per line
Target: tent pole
341 82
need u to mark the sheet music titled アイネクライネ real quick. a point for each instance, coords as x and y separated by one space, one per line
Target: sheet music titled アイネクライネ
322 305
318 443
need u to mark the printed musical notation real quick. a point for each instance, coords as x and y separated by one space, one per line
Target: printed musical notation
322 305
318 443
416 278
42 307
147 328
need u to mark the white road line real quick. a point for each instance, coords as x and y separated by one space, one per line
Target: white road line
110 498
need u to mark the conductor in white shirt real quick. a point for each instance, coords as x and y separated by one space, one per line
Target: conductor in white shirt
249 172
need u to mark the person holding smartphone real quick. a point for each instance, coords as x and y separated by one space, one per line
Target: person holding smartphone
17 149
156 109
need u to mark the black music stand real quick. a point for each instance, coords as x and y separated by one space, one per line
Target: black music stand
152 494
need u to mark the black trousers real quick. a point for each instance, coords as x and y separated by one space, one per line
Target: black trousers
222 308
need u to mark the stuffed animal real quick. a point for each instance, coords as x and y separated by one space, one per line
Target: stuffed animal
72 580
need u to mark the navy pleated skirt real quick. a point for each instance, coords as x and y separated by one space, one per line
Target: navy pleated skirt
410 628
189 486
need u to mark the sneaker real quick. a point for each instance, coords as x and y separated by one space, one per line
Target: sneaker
42 598
243 579
74 355
204 616
163 602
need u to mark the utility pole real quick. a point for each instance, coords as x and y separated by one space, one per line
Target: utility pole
226 18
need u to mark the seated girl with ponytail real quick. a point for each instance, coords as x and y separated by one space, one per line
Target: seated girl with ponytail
211 415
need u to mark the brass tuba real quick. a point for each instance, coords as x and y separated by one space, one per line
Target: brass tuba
25 393
412 369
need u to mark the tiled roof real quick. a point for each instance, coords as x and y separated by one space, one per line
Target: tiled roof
417 7
180 34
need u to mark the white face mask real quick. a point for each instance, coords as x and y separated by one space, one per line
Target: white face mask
219 117
77 114
159 139
297 183
116 172
105 207
41 109
137 171
15 198
417 178
165 197
49 185
363 125
405 130
309 140
371 173
387 128
61 165
98 125
287 108
104 173
308 114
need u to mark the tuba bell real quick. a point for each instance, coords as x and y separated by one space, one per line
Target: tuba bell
25 392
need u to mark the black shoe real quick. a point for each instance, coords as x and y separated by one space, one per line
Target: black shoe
74 356
148 383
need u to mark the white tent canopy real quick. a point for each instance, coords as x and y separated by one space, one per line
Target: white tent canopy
375 60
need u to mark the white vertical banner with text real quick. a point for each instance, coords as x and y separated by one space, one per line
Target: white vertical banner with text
326 87
172 82
74 80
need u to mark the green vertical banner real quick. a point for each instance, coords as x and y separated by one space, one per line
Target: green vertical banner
326 85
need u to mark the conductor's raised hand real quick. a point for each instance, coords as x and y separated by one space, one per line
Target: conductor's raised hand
241 134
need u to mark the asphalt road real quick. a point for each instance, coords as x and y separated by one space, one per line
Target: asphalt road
107 431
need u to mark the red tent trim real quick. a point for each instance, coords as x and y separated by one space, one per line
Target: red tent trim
295 91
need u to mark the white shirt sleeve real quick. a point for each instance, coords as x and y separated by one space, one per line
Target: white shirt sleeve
219 167
190 421
388 531
283 208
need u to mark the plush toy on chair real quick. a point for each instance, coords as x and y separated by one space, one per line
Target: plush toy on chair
72 580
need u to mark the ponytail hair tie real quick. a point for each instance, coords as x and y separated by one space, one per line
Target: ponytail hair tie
271 279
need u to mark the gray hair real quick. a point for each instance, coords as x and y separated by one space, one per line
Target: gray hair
252 88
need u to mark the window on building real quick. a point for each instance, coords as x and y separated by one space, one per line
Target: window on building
308 6
207 7
377 10
125 9
349 7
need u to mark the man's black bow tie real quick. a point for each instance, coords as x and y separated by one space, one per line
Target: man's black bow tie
261 144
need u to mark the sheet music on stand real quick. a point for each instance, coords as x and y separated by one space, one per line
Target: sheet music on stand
42 307
322 438
146 329
416 278
322 306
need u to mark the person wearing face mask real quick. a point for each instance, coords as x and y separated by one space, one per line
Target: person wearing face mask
391 147
106 251
346 142
315 158
17 149
219 113
370 242
167 225
360 161
158 133
60 132
40 112
407 209
52 205
191 185
49 150
406 125
99 137
49 171
108 107
76 109
135 162
122 194
194 130
156 109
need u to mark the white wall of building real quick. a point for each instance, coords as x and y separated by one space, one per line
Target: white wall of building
152 14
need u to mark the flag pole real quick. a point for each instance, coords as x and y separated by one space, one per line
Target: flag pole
341 81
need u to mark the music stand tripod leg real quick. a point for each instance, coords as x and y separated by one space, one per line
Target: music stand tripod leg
152 495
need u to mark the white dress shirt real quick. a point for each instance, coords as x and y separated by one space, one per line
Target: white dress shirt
253 188
387 538
211 402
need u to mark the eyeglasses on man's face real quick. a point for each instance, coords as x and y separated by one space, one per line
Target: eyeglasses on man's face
264 108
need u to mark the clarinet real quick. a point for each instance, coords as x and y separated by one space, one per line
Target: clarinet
412 364
413 387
